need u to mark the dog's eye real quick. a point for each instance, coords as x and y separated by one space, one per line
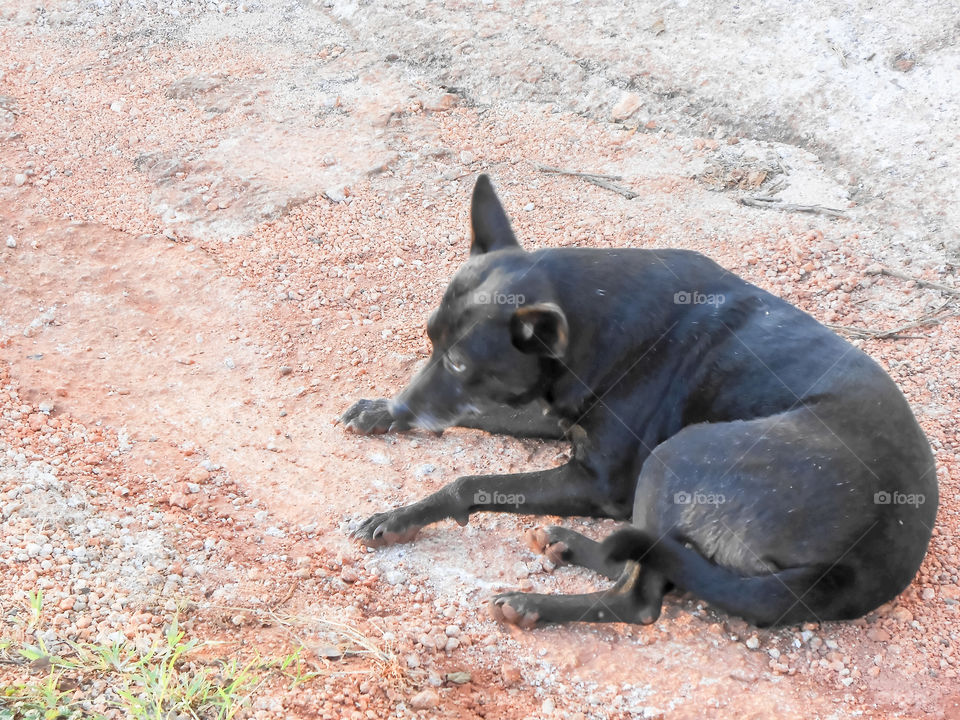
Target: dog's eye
453 365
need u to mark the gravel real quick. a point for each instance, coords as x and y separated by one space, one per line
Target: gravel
91 565
198 206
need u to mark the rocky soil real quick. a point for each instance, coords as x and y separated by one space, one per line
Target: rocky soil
221 223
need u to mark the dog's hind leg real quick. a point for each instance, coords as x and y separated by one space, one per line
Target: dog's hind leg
563 546
786 597
636 598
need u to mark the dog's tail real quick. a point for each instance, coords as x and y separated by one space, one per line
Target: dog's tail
785 597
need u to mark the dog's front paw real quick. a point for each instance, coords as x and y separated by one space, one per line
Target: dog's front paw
516 608
387 528
369 417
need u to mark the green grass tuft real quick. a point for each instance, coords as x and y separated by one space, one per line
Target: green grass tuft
162 682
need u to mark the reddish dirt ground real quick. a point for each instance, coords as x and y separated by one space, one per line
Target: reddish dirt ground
193 292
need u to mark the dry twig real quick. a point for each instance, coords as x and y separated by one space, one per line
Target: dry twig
595 178
931 318
774 204
576 173
919 281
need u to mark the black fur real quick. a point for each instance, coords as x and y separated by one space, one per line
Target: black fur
766 464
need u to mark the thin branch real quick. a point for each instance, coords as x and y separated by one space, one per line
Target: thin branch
594 178
931 318
917 323
774 204
575 173
626 192
919 281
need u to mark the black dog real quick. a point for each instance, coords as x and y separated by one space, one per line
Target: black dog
768 466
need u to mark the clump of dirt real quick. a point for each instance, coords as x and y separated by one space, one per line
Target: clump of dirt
731 168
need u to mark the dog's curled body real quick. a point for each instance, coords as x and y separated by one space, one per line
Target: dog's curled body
766 465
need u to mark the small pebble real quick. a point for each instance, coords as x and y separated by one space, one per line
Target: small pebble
335 194
900 614
11 242
425 700
510 674
328 652
395 577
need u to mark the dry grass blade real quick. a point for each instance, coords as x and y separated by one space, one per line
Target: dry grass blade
387 665
281 601
384 664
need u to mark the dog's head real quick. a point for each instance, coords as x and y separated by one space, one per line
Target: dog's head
495 332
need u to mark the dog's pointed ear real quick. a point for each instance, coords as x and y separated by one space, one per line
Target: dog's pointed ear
489 224
540 329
